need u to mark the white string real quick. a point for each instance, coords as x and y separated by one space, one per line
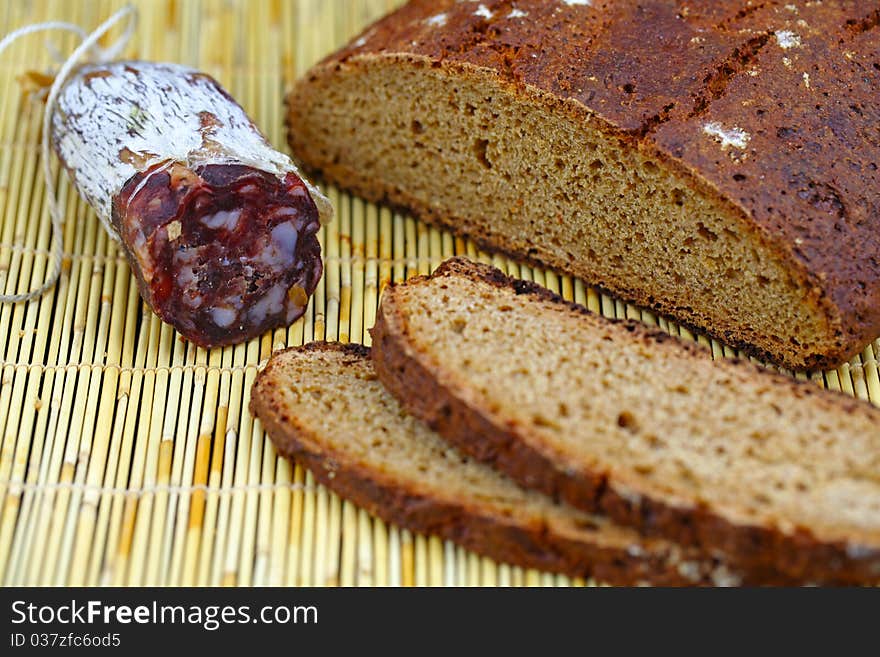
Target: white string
40 27
89 42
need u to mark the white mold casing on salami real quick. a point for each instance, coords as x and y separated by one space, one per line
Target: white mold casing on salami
220 228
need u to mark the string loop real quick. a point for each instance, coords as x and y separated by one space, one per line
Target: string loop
89 42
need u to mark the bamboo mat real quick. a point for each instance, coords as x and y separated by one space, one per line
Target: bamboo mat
128 457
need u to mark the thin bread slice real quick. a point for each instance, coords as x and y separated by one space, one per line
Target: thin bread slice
615 418
323 405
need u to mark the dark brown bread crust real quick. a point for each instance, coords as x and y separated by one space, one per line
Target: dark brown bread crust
657 73
799 554
491 535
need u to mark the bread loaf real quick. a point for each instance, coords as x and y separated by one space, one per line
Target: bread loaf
713 160
614 418
323 406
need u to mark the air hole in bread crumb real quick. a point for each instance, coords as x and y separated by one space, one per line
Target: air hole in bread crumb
627 420
480 147
677 196
540 420
761 499
417 127
587 525
458 325
705 233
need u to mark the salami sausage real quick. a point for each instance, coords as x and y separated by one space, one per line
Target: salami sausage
220 229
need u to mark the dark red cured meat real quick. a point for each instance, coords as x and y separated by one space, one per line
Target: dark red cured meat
223 252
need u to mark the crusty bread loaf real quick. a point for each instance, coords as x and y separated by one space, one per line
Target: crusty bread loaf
323 405
713 160
615 418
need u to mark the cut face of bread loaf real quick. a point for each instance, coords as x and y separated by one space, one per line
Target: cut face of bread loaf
323 405
615 418
715 162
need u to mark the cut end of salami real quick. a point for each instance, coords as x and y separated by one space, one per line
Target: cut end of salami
222 252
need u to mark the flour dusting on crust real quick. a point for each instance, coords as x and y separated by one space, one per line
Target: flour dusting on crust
483 12
787 39
727 137
439 20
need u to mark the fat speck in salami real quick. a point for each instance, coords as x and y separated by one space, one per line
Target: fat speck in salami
220 229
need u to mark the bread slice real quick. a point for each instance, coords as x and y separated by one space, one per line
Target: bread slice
717 162
323 405
615 418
